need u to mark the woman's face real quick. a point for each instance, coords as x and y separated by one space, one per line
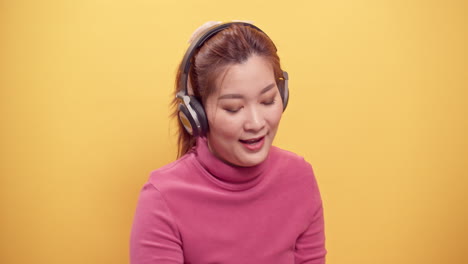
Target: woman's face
244 113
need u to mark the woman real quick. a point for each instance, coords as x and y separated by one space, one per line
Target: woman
231 197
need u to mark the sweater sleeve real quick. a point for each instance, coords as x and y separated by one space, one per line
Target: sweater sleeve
310 245
154 237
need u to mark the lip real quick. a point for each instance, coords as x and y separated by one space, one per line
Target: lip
256 146
257 138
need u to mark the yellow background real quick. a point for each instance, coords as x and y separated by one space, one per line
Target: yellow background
378 106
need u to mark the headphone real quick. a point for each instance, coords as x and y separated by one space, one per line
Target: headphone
191 112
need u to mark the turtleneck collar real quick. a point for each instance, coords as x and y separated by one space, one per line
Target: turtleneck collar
226 175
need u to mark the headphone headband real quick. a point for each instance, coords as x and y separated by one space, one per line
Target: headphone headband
197 43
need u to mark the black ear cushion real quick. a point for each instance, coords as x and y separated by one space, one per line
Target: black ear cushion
283 85
201 115
285 97
284 92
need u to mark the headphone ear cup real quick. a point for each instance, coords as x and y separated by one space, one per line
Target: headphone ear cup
284 90
201 116
285 97
187 120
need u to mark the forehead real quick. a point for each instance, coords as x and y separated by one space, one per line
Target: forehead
249 77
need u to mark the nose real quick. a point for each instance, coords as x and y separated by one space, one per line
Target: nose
254 120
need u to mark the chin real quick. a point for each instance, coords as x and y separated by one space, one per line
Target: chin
252 159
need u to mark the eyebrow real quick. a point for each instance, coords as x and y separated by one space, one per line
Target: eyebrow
239 96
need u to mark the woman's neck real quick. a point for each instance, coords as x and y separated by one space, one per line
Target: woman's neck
225 172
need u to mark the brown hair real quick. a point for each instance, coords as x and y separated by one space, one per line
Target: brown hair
233 45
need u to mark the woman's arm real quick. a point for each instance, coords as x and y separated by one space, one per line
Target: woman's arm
310 246
155 237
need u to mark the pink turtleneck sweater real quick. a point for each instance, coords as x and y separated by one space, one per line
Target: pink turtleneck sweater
199 209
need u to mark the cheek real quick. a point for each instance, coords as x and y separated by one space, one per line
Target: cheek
223 126
274 117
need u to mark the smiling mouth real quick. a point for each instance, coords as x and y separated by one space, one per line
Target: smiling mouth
251 141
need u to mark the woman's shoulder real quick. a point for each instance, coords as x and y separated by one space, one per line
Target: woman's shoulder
292 165
287 157
171 173
295 169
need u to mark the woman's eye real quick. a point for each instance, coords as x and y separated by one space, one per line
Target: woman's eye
269 102
232 110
